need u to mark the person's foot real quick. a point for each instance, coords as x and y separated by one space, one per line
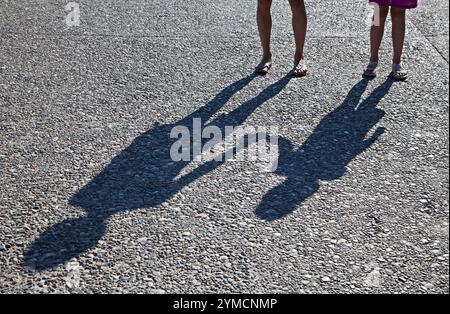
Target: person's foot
264 66
371 70
398 73
300 68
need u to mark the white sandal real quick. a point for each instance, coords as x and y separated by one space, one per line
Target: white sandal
300 69
263 67
398 73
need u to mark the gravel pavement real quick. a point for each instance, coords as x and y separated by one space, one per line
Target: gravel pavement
90 201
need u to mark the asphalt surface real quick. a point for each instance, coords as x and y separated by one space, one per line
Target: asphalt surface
90 201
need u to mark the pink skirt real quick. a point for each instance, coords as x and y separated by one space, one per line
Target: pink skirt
403 4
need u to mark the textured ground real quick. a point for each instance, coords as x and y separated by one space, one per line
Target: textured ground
88 201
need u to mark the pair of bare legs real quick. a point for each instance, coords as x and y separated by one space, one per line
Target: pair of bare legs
398 38
299 24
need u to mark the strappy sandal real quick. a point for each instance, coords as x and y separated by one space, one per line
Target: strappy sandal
300 69
398 73
371 70
263 67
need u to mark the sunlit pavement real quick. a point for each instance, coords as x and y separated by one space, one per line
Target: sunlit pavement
90 201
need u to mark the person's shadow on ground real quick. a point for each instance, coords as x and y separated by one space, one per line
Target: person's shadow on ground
144 175
141 176
336 141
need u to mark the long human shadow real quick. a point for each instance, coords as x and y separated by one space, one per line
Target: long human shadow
142 176
336 141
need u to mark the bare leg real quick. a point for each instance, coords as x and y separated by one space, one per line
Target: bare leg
377 33
264 20
299 25
398 32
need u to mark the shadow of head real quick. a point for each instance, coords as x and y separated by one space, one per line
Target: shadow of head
64 241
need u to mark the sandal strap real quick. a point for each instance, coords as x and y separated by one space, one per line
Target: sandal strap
398 71
301 66
397 68
265 65
372 65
